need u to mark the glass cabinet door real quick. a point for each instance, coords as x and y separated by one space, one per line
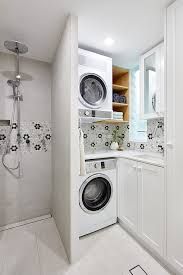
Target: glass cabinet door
150 84
152 79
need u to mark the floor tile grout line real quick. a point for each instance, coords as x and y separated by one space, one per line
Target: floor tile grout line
3 261
39 258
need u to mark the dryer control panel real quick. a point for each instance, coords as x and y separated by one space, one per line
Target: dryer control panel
94 113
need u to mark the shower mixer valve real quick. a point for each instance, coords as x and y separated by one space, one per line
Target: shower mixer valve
18 97
19 139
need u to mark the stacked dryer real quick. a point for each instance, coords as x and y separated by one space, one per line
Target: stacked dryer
95 85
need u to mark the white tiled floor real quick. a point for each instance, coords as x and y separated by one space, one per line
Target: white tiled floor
36 249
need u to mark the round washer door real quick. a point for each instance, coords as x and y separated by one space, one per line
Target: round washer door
93 90
95 193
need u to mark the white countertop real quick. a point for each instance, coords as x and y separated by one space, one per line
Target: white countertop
151 158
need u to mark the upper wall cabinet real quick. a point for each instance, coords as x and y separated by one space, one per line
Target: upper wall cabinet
152 83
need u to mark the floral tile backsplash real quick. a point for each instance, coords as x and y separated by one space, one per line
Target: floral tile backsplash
35 136
98 137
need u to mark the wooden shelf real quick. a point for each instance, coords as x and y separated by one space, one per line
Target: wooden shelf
111 121
116 104
119 87
118 71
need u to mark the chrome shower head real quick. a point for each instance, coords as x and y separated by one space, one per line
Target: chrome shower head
16 47
13 74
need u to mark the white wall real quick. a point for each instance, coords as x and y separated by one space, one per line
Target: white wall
37 93
65 137
31 195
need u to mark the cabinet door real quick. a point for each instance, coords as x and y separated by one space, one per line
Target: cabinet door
161 94
152 88
128 195
151 205
174 174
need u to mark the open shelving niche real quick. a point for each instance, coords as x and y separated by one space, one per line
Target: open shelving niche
120 86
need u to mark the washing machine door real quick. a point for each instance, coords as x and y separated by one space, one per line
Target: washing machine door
93 90
95 193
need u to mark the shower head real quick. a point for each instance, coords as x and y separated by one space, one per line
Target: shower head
16 47
13 74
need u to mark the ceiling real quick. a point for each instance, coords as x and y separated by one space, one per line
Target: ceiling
134 25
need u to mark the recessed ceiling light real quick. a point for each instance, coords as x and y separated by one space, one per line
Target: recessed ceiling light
108 41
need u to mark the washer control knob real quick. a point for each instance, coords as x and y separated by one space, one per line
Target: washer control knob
86 113
96 165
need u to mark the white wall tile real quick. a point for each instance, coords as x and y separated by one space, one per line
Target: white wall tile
29 196
36 103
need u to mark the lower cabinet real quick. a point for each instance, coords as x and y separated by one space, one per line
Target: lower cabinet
141 204
128 189
151 205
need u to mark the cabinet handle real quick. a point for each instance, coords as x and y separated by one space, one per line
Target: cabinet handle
154 102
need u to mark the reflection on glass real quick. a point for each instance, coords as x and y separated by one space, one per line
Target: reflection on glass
150 75
92 90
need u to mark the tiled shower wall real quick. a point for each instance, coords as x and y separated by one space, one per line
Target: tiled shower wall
98 137
29 196
35 136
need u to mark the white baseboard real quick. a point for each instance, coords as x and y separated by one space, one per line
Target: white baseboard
13 225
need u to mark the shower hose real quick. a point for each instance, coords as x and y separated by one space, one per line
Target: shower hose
7 146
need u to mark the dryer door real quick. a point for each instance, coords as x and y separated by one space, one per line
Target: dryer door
95 193
93 90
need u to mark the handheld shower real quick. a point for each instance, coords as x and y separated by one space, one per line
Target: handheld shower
17 48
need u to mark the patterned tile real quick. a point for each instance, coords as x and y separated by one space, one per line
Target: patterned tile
99 137
35 136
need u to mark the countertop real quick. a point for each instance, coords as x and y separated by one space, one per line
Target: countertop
146 157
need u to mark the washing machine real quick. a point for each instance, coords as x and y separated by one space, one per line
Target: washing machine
97 196
95 82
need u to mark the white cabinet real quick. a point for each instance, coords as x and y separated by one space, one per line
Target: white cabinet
142 201
151 205
152 83
128 199
174 171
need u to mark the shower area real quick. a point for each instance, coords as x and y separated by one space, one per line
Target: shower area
15 170
25 135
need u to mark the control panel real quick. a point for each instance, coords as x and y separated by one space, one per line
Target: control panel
94 113
99 165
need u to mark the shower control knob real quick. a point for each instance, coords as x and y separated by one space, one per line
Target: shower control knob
86 113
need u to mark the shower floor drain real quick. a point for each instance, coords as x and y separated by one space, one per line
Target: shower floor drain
138 270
